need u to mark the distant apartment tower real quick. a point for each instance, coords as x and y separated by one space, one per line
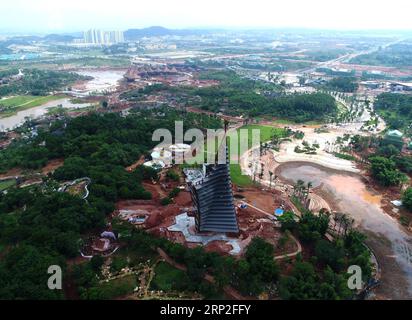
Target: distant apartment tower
103 37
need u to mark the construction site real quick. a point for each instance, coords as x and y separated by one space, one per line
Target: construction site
206 209
176 221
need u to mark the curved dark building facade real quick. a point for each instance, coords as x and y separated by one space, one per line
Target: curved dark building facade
213 199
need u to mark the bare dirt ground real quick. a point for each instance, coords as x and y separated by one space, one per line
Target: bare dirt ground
52 165
136 164
393 285
349 194
12 173
391 70
253 222
266 201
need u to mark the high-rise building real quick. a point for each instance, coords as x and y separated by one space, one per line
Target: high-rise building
213 199
103 37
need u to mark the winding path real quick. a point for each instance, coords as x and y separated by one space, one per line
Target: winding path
283 256
230 291
391 244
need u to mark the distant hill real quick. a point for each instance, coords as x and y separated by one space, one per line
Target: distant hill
157 31
22 40
59 38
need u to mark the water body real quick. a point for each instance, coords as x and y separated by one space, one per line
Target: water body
106 80
33 113
352 197
103 80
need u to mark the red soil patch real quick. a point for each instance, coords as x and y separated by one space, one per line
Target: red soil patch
136 164
252 222
11 173
265 201
52 165
220 247
184 199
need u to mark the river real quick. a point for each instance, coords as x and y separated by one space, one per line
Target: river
103 80
386 237
20 117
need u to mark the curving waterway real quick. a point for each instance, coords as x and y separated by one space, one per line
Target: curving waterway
103 80
386 237
20 117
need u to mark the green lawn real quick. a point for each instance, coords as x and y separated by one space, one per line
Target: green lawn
112 289
61 110
266 134
238 178
15 104
7 184
168 278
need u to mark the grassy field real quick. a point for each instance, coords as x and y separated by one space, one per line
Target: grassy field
78 61
59 110
238 178
14 104
7 184
113 289
266 134
168 278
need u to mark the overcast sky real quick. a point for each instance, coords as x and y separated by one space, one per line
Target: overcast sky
77 15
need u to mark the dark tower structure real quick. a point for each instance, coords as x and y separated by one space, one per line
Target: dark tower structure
213 199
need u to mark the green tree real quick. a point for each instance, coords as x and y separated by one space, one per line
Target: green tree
407 199
385 172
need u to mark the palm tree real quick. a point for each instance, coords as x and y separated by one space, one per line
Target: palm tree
338 220
300 184
262 171
346 223
270 180
306 191
226 125
309 185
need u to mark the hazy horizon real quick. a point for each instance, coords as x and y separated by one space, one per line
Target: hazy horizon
47 16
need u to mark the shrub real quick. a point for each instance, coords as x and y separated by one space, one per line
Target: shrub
165 201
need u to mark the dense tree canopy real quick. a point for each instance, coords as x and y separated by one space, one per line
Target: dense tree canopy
297 107
23 274
396 109
385 172
46 225
342 84
324 275
39 82
407 199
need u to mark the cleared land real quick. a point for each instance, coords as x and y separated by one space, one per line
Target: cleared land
266 134
10 106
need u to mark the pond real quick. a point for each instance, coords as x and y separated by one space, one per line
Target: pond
350 194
